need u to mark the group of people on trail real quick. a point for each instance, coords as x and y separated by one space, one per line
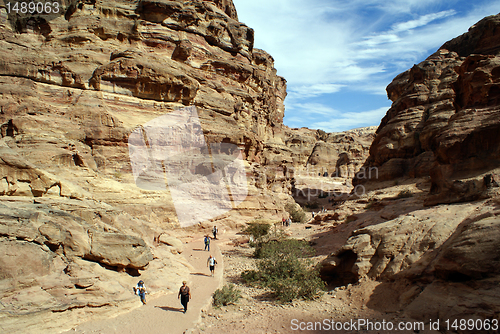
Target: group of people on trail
315 213
184 292
286 222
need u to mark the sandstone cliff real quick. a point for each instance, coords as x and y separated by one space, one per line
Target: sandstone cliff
76 229
444 118
437 144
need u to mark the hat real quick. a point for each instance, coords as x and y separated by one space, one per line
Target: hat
184 282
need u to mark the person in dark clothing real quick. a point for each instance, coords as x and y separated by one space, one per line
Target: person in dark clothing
184 295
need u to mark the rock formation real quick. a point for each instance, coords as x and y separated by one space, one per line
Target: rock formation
75 228
444 123
444 118
336 154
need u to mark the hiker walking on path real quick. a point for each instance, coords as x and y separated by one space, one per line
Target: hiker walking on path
140 290
211 262
215 231
207 242
184 295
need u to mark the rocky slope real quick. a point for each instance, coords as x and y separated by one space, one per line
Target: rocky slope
76 230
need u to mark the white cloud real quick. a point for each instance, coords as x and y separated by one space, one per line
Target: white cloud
314 108
326 47
421 21
351 120
304 91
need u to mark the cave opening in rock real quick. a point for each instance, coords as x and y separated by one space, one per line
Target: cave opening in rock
78 160
11 129
341 274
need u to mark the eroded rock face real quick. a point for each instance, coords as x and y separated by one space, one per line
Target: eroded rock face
71 91
339 155
444 118
441 129
446 257
386 249
119 250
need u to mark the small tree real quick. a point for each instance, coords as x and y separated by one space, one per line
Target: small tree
228 294
281 269
297 215
258 228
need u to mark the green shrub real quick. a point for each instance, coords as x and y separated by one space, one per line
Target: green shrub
305 284
282 271
228 294
404 194
117 175
258 228
297 215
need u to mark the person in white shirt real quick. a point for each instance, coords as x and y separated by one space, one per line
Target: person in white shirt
211 262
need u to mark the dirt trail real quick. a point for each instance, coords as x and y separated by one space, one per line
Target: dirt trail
163 315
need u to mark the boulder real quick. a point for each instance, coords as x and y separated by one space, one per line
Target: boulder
404 244
173 242
473 252
119 250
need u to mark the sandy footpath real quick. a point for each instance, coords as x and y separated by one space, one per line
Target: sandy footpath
163 315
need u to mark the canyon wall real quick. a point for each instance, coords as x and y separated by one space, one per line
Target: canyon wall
75 229
444 118
434 245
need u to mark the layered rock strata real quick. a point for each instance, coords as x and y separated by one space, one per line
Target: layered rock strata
75 226
439 259
444 118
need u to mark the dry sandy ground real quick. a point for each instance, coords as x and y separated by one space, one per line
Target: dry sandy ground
164 314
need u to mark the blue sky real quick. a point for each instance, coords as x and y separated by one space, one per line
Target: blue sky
339 55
